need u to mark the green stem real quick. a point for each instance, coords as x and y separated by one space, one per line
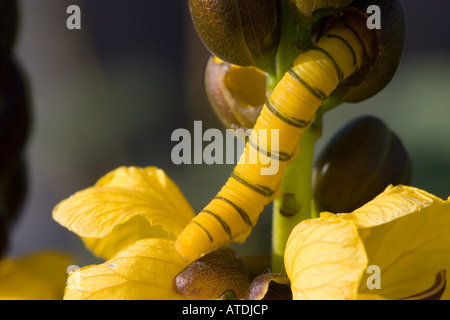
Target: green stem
295 202
294 39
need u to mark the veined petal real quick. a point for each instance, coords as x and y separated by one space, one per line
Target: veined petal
143 270
123 235
412 248
406 234
325 259
120 195
393 203
40 276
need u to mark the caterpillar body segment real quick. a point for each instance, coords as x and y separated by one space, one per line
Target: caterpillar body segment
288 112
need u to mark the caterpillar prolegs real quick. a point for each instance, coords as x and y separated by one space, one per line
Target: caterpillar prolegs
315 74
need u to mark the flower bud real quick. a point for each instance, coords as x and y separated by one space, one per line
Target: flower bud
236 94
359 162
242 32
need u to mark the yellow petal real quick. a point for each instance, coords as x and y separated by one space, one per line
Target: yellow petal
393 203
39 276
406 234
143 270
123 235
325 259
120 195
413 247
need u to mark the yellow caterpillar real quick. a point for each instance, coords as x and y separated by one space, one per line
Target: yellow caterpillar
291 108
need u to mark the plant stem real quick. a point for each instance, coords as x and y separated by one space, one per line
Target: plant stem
295 201
293 40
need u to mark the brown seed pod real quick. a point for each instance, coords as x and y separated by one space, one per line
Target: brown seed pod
241 32
382 65
270 286
358 163
214 276
236 94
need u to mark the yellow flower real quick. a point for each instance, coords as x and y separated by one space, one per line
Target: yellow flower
144 200
143 270
39 276
403 233
131 216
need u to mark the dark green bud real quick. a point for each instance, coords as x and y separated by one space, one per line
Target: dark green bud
241 32
359 162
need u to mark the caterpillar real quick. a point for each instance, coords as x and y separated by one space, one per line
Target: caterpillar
339 53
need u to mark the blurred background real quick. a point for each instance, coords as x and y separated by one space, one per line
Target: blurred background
112 93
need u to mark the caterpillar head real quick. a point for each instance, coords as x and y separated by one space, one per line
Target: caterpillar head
382 63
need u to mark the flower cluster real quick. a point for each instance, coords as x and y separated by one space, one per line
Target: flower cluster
384 239
132 216
349 227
